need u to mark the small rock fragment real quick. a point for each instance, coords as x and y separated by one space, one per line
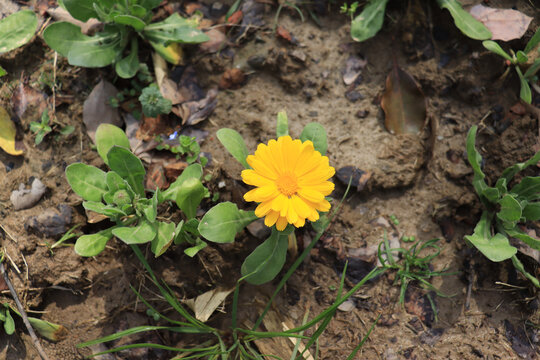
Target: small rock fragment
259 230
26 198
50 223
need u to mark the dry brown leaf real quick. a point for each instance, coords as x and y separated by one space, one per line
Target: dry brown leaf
217 41
204 305
28 102
7 134
97 110
504 24
404 103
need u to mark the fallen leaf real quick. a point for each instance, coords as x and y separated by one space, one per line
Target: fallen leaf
28 102
155 178
217 41
417 303
97 110
232 79
283 33
60 14
404 103
504 24
204 305
51 222
193 112
359 177
235 17
174 169
7 133
353 69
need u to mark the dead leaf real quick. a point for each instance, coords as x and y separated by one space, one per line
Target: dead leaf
97 110
174 169
194 112
235 17
283 33
404 103
155 178
504 24
232 79
417 303
217 41
359 177
60 14
353 69
204 305
52 222
7 133
28 102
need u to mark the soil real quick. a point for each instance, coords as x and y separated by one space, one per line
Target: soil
423 180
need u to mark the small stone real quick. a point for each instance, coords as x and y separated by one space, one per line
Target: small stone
362 114
353 95
259 230
347 306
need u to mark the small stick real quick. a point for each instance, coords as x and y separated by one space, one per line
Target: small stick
37 344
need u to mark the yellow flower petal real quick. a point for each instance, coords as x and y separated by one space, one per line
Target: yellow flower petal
311 195
251 177
271 218
261 168
263 209
281 223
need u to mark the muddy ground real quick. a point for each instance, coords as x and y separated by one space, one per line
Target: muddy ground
423 180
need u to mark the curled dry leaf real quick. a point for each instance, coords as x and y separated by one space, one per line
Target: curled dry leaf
28 103
193 112
232 79
504 24
404 103
60 14
7 134
217 41
353 68
97 110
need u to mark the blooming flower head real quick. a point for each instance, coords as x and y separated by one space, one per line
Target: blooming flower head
291 180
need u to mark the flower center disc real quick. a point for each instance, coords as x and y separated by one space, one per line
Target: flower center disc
287 184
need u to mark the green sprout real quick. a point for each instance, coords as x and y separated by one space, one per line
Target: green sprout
153 103
413 266
41 129
187 146
526 59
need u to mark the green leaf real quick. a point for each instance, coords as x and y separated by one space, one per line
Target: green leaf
533 69
525 90
501 186
235 145
465 21
115 182
128 166
150 212
510 211
521 57
164 238
2 71
99 50
529 240
130 20
491 194
17 29
531 211
128 66
153 103
511 171
142 233
9 324
81 50
222 222
369 22
192 251
267 260
149 4
528 188
189 196
174 29
48 330
100 208
91 245
282 126
317 135
81 9
108 135
86 181
496 248
535 40
495 48
475 159
194 171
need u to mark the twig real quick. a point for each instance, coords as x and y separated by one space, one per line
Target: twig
37 344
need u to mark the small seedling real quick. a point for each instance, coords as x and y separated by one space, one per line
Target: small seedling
41 129
526 59
504 209
188 147
413 266
5 317
349 10
153 103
